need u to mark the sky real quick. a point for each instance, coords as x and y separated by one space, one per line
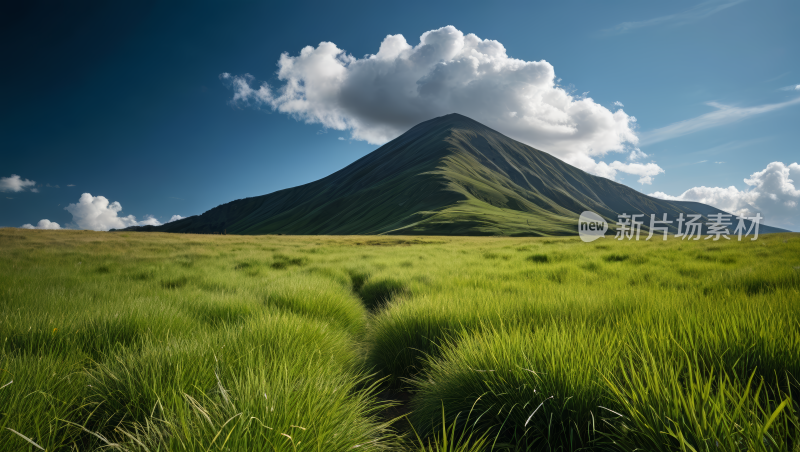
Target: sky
123 113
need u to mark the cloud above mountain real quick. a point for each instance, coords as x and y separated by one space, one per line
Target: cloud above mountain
378 97
774 193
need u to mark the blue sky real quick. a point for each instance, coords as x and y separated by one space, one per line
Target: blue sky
126 100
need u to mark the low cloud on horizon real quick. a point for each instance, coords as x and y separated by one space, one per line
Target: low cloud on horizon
96 213
774 193
43 224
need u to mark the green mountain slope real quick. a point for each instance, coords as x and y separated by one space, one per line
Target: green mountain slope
447 176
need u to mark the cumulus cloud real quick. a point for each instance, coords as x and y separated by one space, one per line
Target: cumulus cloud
43 224
645 171
15 183
773 193
380 96
618 104
175 218
149 220
637 154
96 213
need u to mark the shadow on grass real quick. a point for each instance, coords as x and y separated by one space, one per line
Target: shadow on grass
377 292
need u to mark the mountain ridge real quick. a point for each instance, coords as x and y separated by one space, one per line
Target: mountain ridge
449 175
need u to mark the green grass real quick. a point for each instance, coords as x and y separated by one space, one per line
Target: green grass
154 342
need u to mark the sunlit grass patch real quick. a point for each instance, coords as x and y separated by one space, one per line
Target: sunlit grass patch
316 297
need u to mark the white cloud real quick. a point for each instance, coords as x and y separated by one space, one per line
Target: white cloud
96 213
618 104
175 218
697 12
380 96
791 88
16 184
149 220
341 138
70 185
637 154
773 193
725 114
645 171
43 224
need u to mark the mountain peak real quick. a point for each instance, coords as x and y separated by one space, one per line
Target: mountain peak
433 180
451 120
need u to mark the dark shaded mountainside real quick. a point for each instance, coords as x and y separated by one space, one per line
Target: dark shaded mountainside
447 176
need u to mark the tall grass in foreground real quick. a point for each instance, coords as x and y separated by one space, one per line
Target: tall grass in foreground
279 383
577 388
666 406
534 390
144 341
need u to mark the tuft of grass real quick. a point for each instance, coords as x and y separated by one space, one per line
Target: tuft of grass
453 437
256 376
662 407
533 390
317 298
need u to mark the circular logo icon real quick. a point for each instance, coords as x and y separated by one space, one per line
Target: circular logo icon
591 226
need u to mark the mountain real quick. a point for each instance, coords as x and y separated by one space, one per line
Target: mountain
447 176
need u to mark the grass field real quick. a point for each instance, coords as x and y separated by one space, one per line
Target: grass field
155 342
